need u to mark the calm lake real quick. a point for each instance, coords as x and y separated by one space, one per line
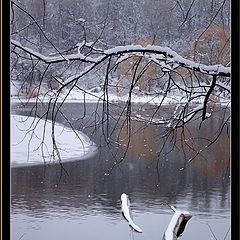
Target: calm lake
83 200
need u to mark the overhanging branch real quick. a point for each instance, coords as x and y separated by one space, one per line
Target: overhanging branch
158 54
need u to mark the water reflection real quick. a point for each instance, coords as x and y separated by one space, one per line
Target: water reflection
46 198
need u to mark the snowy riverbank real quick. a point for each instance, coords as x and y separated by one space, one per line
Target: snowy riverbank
76 95
29 143
27 133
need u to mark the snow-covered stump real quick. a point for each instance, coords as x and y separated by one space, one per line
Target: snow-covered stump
177 224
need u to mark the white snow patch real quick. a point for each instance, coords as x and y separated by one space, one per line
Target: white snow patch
77 95
27 148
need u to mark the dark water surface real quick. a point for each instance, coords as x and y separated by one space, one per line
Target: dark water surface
47 203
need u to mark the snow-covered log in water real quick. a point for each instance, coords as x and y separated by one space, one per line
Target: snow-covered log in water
126 213
177 224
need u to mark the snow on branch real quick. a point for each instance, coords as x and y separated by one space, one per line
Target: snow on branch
158 54
126 213
177 224
70 57
171 57
177 119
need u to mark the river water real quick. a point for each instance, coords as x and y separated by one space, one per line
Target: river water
82 201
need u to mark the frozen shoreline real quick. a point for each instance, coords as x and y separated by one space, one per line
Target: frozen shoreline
71 148
28 149
92 97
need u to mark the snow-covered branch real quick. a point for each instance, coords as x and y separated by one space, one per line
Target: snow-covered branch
177 224
177 119
126 213
46 59
164 56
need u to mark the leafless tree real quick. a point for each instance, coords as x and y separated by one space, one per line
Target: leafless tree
145 68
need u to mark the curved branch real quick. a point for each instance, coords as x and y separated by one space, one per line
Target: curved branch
156 53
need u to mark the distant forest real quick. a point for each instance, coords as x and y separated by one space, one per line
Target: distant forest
198 30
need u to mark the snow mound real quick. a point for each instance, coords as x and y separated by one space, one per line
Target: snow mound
31 142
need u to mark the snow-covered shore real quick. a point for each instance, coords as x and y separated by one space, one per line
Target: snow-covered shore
31 140
76 95
27 147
